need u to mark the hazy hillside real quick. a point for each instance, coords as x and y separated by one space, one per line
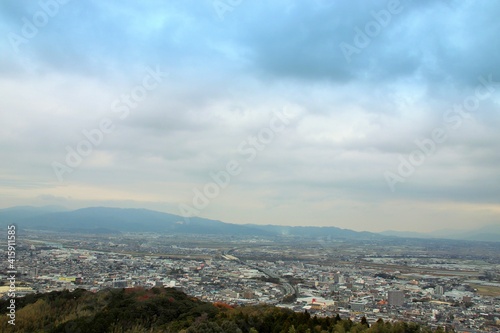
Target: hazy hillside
489 233
115 220
13 214
316 232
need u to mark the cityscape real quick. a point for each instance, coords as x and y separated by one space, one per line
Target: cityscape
440 283
232 166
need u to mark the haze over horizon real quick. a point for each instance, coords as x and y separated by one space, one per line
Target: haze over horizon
368 116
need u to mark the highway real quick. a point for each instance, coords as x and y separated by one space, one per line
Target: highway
287 287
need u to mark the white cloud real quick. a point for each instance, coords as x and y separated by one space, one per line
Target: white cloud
226 78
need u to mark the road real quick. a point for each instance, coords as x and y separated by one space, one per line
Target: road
287 287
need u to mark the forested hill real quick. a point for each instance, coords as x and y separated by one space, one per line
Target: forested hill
167 310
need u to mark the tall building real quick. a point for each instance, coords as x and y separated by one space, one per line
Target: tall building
395 297
439 290
339 278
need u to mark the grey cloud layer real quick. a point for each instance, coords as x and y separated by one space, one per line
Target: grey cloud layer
226 78
437 40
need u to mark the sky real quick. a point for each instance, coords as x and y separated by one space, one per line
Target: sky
367 115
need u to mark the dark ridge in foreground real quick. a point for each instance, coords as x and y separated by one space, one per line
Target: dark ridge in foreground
154 310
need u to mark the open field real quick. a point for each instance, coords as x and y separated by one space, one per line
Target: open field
420 270
487 290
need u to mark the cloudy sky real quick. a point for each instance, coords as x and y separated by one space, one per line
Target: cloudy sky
368 115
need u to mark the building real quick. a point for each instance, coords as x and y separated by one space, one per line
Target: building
358 306
439 290
119 283
339 278
395 297
248 294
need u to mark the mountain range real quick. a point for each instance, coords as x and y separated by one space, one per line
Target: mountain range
489 233
116 220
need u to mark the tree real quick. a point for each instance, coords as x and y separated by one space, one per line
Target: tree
229 326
